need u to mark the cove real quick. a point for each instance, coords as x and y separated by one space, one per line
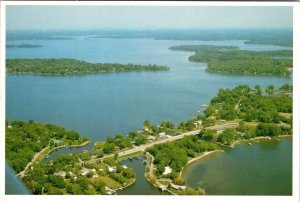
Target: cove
264 168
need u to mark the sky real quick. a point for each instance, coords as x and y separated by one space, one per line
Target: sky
145 17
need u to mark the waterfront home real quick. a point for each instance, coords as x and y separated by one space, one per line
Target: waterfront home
61 173
163 187
151 138
198 123
146 129
178 187
168 170
9 126
110 191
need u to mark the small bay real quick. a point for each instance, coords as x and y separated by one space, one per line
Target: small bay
264 168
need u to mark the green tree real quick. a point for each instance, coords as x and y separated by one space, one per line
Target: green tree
128 173
270 90
140 140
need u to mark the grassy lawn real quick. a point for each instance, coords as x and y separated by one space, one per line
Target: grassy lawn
111 183
251 124
286 115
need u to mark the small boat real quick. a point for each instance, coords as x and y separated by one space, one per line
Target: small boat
46 157
249 143
145 162
204 105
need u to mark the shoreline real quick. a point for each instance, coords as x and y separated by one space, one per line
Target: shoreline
207 153
204 154
128 185
257 138
37 156
62 146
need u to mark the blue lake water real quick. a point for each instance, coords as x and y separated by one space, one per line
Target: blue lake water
265 168
108 104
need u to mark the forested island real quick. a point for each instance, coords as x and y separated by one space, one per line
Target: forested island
23 46
229 59
69 67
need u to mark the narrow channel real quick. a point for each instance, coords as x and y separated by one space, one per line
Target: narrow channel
141 185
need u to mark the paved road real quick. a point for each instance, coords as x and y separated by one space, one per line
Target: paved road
36 155
169 139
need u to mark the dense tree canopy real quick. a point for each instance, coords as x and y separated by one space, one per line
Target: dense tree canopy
251 105
229 59
71 67
175 154
24 139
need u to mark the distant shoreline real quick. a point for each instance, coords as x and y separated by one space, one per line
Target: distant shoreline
72 67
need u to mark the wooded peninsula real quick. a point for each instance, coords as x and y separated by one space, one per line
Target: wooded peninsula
238 114
69 67
230 59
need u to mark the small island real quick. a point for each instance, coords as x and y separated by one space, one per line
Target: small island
229 59
70 67
23 46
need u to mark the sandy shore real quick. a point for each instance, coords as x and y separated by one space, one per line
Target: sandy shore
207 153
203 155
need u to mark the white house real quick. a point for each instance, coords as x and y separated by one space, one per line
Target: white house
61 173
84 171
178 187
112 169
168 170
198 123
162 134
